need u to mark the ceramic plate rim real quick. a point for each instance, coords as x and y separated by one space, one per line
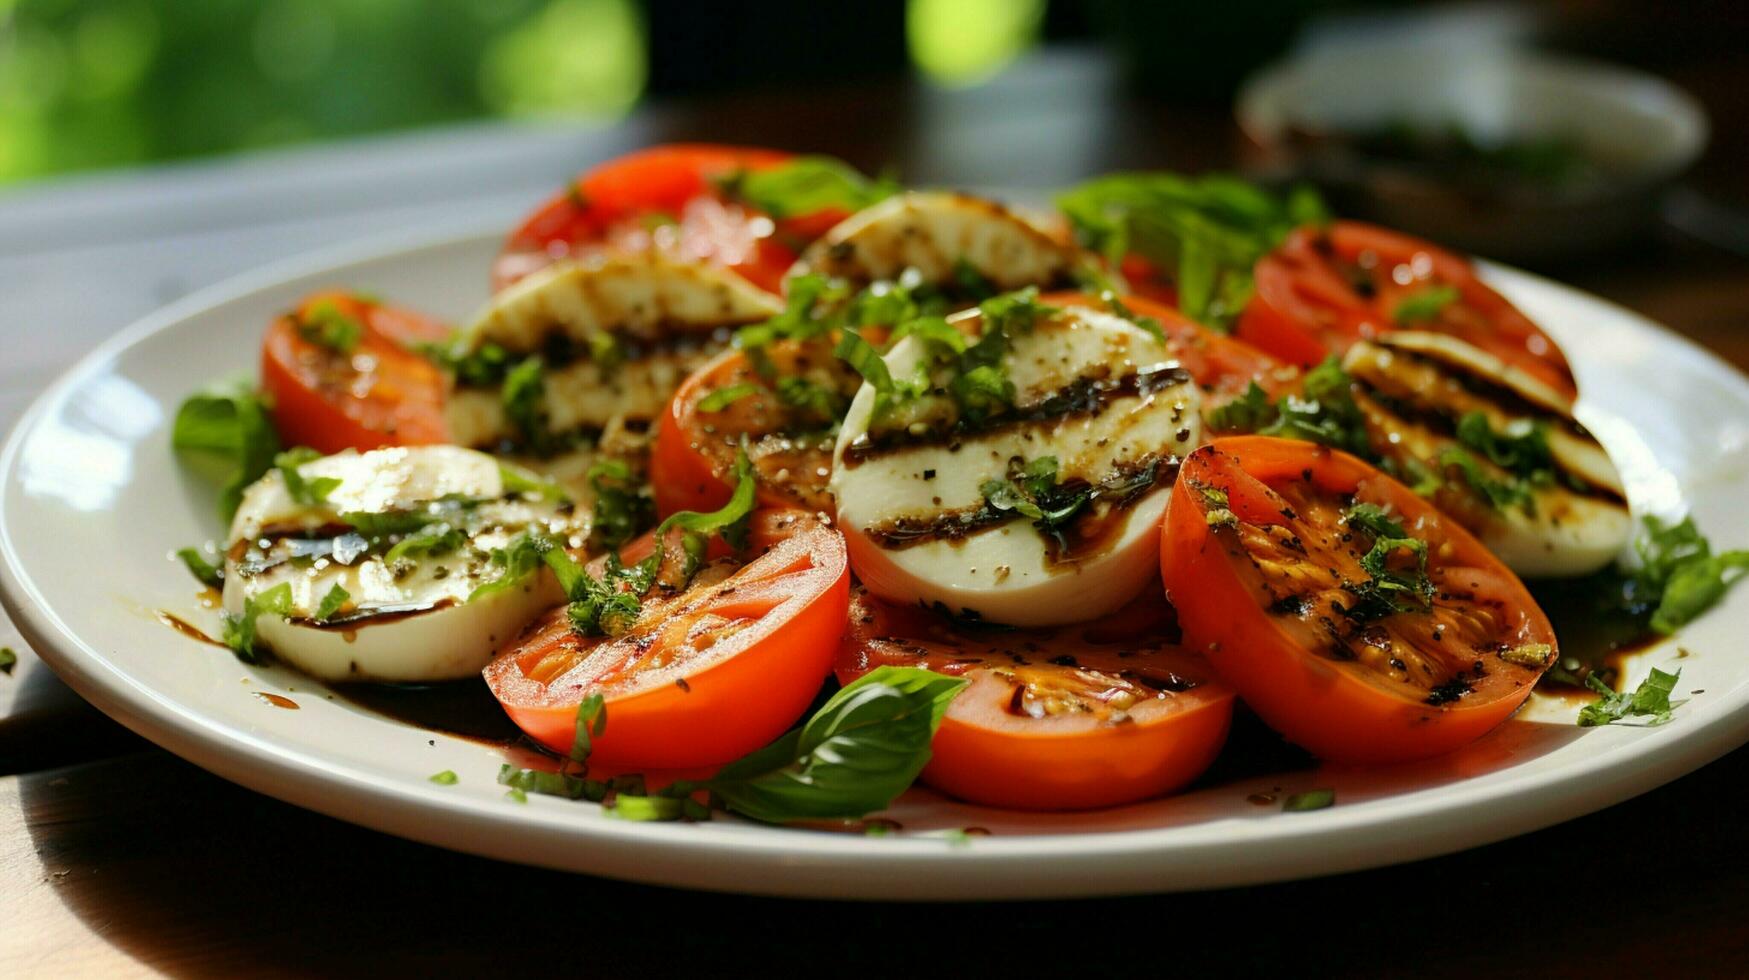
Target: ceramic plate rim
808 864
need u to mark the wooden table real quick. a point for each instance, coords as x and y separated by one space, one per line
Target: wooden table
117 857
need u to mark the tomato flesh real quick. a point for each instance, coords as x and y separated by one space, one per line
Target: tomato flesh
789 440
376 394
1324 289
665 198
1067 719
708 673
1271 581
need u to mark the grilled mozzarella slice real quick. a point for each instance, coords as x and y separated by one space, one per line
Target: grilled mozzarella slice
616 335
934 507
1416 390
940 235
408 534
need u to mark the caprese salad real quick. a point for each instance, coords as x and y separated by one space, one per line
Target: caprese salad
764 486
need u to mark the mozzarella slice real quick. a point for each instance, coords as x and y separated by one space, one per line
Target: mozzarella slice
662 317
937 234
410 619
1414 387
1103 397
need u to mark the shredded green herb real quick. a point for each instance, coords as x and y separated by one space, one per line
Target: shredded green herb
1206 232
331 603
239 631
723 397
1424 306
1389 589
445 778
1651 699
325 325
623 505
308 492
1324 412
1679 576
805 185
204 571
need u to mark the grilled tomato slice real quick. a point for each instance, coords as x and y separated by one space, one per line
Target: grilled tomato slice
1071 718
1354 618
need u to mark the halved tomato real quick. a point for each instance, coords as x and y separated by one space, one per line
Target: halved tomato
1074 718
782 411
1217 362
665 198
1352 616
1325 288
339 375
708 673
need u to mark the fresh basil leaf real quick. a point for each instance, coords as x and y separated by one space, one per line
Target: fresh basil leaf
1522 448
227 434
862 749
1495 492
865 360
208 574
239 631
1650 699
623 507
726 517
1248 412
331 603
932 330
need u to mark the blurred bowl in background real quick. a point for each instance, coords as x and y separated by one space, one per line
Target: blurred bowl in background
1499 151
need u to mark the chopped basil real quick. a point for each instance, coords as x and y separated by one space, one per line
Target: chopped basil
623 505
1495 492
1032 490
325 325
445 778
722 398
204 571
1147 323
1315 799
519 558
969 282
1206 232
331 603
730 520
550 783
811 305
1679 575
1324 412
1651 698
1389 589
517 480
515 795
1424 306
485 366
806 185
1218 513
225 432
524 399
8 660
306 492
645 808
239 631
591 721
812 404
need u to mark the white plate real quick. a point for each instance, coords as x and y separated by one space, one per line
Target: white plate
92 503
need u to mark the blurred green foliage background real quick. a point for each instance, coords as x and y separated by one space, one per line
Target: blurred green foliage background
102 83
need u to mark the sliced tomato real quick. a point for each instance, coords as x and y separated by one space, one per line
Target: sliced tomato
665 198
1067 719
1219 363
709 672
785 417
373 393
1273 582
1323 289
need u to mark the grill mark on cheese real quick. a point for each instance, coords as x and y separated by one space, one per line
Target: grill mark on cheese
560 350
1099 521
1085 396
